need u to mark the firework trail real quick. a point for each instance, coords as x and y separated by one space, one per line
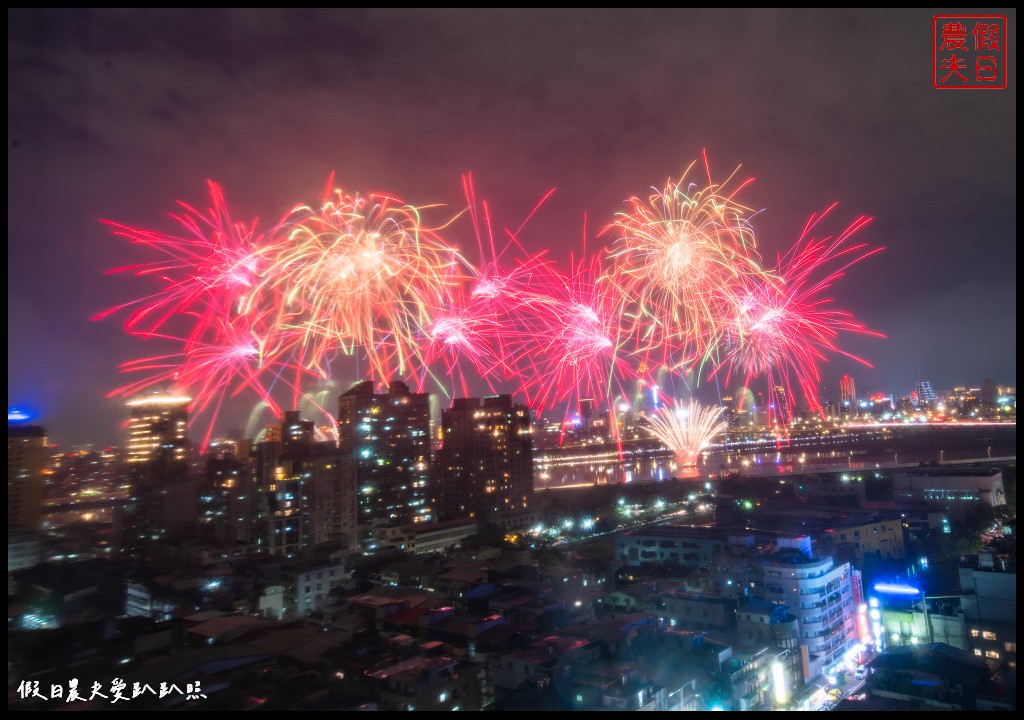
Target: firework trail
676 262
783 326
466 334
207 272
680 288
687 429
205 306
361 274
565 348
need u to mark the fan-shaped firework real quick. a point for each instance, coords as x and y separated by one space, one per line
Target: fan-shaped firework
687 429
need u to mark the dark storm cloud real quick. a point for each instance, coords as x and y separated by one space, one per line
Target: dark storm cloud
119 113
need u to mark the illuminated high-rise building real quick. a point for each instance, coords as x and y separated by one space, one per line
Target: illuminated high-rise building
306 490
988 393
847 394
26 461
158 429
164 500
389 436
820 592
485 464
925 393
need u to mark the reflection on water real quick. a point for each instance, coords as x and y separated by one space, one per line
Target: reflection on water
652 469
852 449
660 466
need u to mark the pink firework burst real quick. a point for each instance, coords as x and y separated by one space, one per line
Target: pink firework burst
781 329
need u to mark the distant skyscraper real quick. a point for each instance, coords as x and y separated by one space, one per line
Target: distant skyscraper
158 429
389 435
485 464
988 393
847 395
925 393
586 414
164 503
26 460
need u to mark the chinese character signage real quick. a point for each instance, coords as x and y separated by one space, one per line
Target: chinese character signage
969 52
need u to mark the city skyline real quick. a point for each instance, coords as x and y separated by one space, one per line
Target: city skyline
134 110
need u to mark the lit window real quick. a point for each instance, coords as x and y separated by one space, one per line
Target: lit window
975 632
1010 647
992 654
988 635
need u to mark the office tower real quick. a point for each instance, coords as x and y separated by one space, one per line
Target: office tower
925 393
26 460
158 429
485 464
389 436
333 496
283 516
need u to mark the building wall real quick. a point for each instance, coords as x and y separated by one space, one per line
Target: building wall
26 460
333 498
991 614
444 536
674 546
23 552
485 464
821 596
308 586
697 612
389 437
883 538
957 488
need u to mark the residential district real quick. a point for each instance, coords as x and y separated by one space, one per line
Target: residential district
396 563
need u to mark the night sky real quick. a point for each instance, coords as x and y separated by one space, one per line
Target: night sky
118 114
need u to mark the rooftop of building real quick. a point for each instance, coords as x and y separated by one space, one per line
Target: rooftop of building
414 665
792 556
937 659
225 625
